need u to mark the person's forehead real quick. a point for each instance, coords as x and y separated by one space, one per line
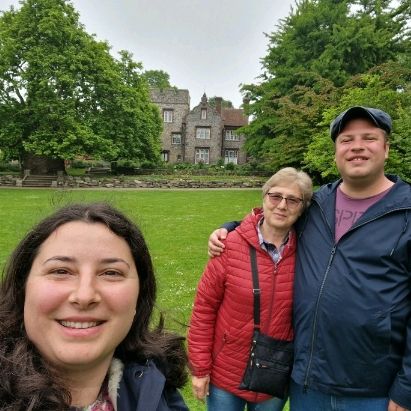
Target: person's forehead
285 189
360 124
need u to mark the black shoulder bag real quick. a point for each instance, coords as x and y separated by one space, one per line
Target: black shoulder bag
270 363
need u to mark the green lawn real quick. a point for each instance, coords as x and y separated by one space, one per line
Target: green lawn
176 225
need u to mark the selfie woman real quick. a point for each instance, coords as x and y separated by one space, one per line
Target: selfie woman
75 308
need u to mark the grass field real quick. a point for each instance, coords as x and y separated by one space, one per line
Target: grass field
176 225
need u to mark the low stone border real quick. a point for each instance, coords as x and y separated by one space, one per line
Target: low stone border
89 182
9 180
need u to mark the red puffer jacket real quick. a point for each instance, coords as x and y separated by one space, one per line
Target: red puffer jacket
222 323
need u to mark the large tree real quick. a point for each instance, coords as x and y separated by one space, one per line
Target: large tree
62 94
313 53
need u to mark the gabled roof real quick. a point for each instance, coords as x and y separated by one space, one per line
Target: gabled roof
234 117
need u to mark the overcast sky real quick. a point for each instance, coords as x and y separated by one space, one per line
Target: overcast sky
204 45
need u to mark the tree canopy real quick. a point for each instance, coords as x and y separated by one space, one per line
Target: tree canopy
323 57
224 103
62 94
157 79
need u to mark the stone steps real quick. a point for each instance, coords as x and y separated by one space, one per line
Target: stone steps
39 181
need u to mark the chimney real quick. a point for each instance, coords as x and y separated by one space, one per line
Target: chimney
218 101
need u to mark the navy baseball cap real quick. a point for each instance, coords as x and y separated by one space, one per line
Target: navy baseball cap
380 118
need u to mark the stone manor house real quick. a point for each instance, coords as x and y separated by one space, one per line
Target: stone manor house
204 134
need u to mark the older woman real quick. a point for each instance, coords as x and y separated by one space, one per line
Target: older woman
221 327
75 308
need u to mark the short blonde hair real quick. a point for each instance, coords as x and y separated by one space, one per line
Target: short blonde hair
288 176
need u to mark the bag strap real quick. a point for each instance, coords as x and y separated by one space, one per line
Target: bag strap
256 288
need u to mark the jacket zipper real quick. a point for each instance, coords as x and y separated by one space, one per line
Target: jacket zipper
273 279
317 304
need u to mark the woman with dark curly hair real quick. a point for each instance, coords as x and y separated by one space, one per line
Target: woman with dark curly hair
75 308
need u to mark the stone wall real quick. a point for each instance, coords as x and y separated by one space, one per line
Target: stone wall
9 180
89 182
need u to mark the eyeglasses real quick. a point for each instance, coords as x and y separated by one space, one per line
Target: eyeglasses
291 202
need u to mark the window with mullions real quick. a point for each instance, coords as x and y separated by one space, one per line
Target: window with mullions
230 135
176 138
203 133
165 156
231 156
202 155
168 116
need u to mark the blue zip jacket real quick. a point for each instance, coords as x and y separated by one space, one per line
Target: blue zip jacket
143 388
352 301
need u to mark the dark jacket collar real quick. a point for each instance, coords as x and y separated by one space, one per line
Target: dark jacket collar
143 388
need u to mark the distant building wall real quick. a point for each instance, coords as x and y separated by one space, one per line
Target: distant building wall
174 105
203 134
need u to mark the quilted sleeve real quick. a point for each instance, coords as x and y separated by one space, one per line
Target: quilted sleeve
210 293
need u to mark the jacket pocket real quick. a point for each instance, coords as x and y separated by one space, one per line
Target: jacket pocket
380 334
232 345
219 345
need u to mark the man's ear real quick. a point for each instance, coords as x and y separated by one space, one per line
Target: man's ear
387 149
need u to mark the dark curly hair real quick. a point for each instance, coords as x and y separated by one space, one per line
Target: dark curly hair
27 381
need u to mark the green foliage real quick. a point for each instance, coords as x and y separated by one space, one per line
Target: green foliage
157 79
401 144
9 167
63 95
224 103
124 167
230 166
314 56
149 165
79 164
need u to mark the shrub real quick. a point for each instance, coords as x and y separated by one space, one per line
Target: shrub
79 164
11 167
149 165
230 166
127 167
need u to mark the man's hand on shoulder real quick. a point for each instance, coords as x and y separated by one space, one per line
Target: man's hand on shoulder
215 246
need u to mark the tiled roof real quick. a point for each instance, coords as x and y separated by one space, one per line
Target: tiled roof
234 117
